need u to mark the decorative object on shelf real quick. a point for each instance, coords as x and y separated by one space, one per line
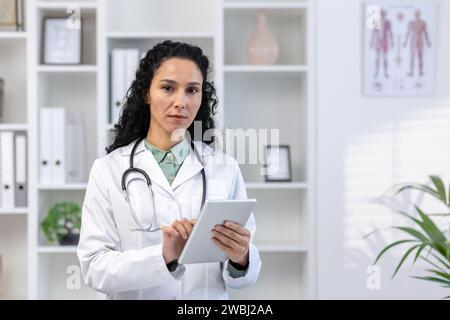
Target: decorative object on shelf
278 163
62 223
2 98
11 15
62 41
427 241
262 48
400 47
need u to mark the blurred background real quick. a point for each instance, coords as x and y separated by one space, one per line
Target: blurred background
356 91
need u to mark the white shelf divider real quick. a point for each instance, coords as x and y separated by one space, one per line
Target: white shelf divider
243 5
13 127
57 249
67 69
282 247
276 185
63 5
68 186
13 211
268 68
157 35
13 35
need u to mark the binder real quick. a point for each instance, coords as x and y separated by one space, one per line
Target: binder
20 185
52 145
117 83
7 169
45 136
75 153
58 146
124 63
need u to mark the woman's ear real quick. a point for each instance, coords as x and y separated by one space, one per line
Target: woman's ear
146 96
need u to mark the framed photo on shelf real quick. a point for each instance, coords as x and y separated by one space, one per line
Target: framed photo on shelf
278 163
11 15
62 43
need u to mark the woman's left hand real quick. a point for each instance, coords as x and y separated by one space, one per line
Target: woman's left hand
234 239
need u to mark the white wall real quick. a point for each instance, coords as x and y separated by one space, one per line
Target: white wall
364 145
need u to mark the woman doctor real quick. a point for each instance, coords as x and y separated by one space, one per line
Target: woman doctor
133 231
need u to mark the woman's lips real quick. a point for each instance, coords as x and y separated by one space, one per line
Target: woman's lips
178 116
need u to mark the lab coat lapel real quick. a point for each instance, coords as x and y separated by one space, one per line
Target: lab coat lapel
189 168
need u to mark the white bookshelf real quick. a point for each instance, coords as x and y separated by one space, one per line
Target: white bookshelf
14 229
285 211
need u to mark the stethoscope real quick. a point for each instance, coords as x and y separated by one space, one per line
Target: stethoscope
132 169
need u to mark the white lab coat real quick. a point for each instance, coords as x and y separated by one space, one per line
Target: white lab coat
126 264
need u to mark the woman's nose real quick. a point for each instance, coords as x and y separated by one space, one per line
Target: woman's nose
180 101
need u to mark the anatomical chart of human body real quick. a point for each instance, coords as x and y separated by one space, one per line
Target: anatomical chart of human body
400 47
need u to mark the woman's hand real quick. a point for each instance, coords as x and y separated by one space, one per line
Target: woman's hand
234 239
175 237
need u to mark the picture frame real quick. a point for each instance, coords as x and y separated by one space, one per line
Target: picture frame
399 47
278 163
11 15
61 44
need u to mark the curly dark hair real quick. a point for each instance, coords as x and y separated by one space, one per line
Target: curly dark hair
134 121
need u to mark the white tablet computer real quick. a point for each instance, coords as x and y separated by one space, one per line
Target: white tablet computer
199 247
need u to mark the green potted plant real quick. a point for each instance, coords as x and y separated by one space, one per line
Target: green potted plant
426 240
62 223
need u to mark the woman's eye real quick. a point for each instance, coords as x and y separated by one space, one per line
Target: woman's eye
167 89
193 90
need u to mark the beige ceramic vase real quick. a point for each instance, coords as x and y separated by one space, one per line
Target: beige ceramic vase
262 47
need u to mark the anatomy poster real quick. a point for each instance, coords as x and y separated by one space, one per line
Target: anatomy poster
400 41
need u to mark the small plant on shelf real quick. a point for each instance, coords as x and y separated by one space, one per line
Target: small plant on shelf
62 223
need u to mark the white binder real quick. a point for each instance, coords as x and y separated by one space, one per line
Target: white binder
124 63
7 169
76 146
58 146
52 145
117 83
20 185
45 135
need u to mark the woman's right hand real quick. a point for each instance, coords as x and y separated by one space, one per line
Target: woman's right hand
175 237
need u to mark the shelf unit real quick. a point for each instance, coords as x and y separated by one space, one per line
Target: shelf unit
14 221
285 211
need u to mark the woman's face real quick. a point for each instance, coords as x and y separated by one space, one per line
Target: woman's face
175 95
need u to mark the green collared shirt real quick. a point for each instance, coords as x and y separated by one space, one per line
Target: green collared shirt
170 162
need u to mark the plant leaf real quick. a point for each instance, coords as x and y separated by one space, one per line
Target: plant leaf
404 258
418 187
434 279
414 233
430 228
440 274
423 246
440 188
390 247
441 261
433 264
